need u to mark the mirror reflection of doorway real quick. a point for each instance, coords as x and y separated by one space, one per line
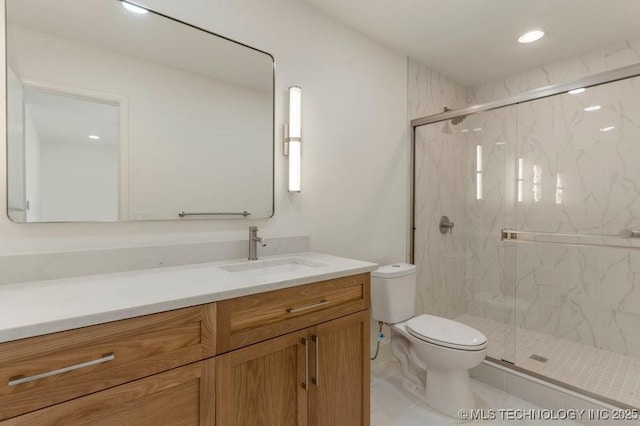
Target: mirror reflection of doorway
71 150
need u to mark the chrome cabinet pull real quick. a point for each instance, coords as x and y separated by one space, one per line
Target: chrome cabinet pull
306 363
316 340
304 308
17 380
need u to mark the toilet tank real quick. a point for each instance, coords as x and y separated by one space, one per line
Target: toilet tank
393 293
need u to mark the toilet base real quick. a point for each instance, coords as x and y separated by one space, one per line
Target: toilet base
414 389
449 391
433 373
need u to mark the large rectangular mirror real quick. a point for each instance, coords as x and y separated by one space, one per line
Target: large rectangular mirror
116 113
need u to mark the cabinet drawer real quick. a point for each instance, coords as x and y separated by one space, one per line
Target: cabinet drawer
182 396
45 370
250 319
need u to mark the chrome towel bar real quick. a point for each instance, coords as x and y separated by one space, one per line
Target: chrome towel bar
514 236
629 233
182 213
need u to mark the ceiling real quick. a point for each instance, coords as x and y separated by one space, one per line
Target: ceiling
473 41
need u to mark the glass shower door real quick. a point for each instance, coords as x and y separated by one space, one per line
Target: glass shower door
577 282
491 137
461 170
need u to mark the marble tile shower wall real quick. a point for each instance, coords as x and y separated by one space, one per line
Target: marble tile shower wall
441 179
594 61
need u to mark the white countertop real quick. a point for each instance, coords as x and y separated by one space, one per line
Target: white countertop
42 307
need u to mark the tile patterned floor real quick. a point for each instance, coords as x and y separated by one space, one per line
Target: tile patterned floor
393 406
605 373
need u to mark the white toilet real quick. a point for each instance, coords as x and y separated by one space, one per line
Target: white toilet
435 353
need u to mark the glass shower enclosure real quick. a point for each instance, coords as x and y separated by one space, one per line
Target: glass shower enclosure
543 190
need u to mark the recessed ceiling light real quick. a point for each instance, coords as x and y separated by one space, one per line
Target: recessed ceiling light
133 8
477 129
96 137
606 129
531 36
593 108
464 130
577 91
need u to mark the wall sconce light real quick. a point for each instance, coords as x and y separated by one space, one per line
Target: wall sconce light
293 137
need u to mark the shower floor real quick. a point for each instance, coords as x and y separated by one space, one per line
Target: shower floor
598 371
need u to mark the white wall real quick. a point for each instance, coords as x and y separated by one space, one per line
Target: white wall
78 181
355 148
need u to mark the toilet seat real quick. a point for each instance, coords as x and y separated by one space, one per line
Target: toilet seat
446 332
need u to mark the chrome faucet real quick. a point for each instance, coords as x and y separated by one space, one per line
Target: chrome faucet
253 242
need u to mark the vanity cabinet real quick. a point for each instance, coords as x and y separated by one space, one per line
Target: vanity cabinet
318 376
295 356
315 375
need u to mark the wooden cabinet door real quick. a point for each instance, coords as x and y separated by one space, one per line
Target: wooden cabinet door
182 396
264 384
339 369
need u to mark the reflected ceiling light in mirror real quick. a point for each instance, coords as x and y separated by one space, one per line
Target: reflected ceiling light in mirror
592 108
606 129
94 137
531 36
577 91
133 8
293 138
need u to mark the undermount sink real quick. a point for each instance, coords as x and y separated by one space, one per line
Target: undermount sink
273 266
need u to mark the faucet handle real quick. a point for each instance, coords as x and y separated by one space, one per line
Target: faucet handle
445 225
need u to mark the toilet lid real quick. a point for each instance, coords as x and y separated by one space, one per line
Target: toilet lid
445 332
